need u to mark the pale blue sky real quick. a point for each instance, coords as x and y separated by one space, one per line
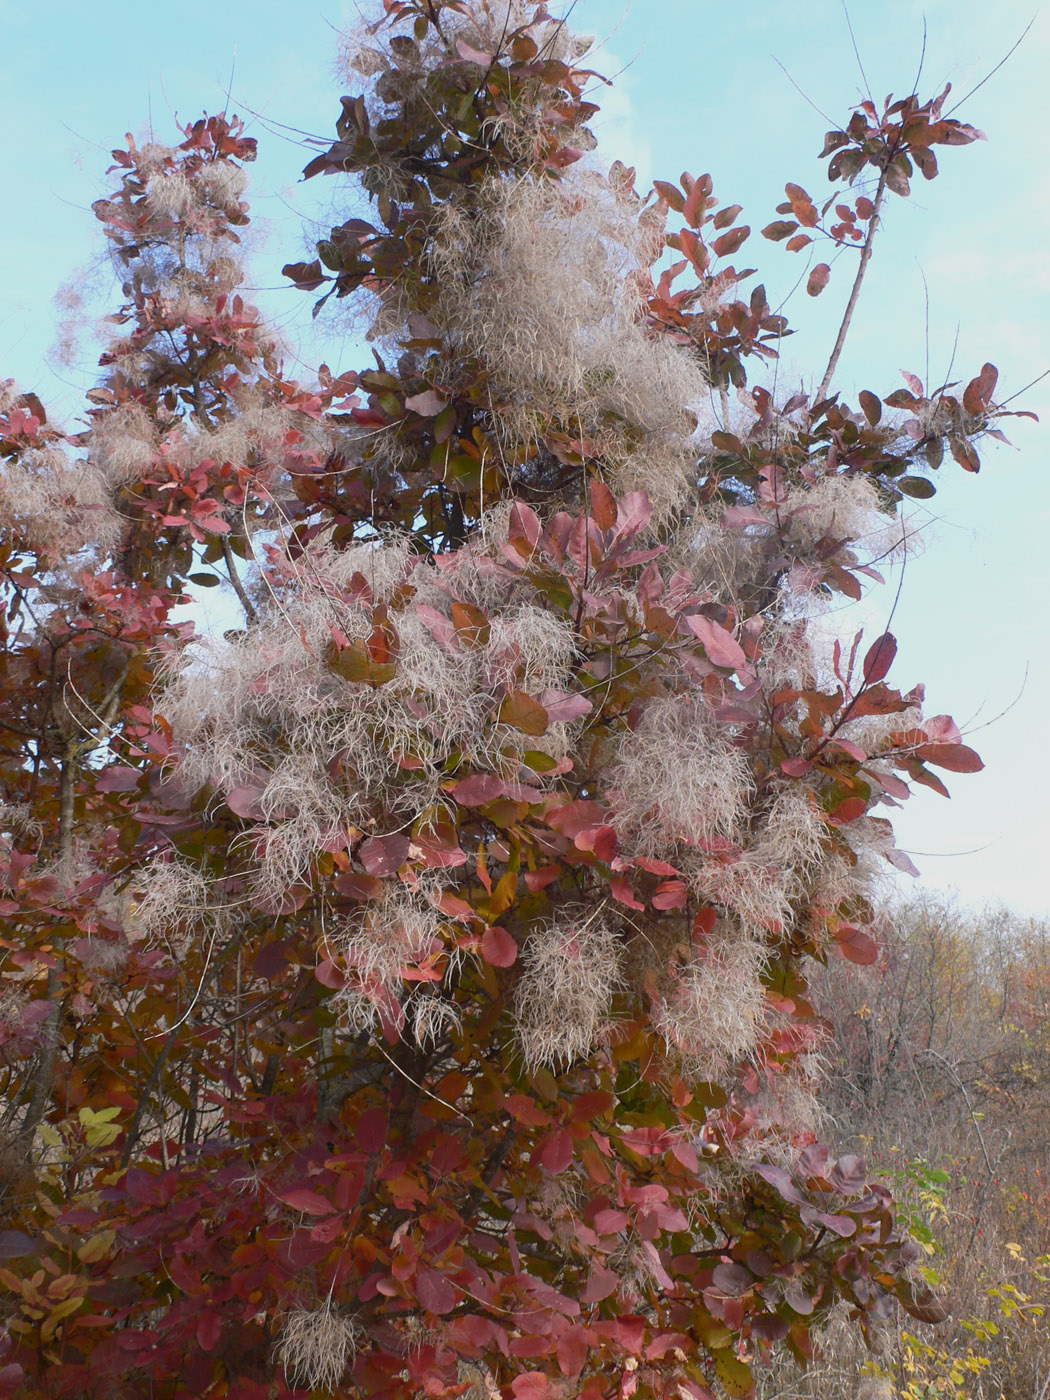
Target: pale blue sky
700 91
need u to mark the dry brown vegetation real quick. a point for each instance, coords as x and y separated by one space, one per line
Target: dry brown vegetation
940 1074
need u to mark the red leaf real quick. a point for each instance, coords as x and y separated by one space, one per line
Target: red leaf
979 391
603 505
524 528
309 1202
575 817
846 746
633 514
731 241
733 1280
599 839
796 767
329 975
562 706
209 1330
478 789
957 758
370 1131
472 55
965 454
849 810
574 1348
622 892
554 1154
435 1292
670 194
427 405
601 1283
498 948
525 1110
244 802
871 405
720 646
879 659
671 894
533 1385
117 778
818 279
383 855
849 1175
856 945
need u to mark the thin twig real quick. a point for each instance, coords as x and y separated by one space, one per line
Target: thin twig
992 72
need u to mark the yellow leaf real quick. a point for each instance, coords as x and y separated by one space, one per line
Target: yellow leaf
503 895
65 1309
90 1116
96 1247
737 1380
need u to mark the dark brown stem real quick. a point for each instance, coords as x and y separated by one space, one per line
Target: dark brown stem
235 578
143 1104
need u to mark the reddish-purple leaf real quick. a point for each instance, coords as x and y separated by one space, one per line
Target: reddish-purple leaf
979 391
329 975
720 646
796 767
117 778
209 1330
879 658
472 55
554 1154
382 856
15 1245
849 1175
818 279
730 242
532 1385
427 404
435 1292
633 514
798 1298
603 505
602 840
309 1202
601 1283
244 802
563 706
871 405
733 1280
957 758
478 789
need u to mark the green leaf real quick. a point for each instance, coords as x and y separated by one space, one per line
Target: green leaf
917 487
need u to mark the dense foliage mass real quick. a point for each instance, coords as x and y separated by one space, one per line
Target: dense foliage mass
405 992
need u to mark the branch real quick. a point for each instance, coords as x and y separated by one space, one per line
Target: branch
235 578
865 258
